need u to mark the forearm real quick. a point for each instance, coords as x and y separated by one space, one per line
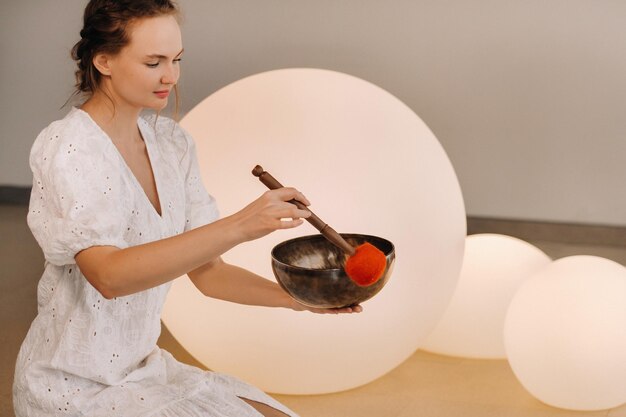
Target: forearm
118 272
231 283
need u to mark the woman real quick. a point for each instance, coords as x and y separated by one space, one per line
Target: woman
119 210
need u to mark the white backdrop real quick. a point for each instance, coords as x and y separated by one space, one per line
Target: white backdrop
526 96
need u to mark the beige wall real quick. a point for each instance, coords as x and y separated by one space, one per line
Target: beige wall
526 96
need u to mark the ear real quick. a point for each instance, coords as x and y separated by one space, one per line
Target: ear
102 62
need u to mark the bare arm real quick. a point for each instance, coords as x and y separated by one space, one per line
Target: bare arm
218 279
116 272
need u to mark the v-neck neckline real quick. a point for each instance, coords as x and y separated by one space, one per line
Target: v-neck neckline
145 135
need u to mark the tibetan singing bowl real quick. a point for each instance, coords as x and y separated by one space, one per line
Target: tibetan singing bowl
310 269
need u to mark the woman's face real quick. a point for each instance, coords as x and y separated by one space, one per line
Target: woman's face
144 72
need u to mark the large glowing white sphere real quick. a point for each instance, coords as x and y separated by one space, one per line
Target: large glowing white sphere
369 165
565 334
494 267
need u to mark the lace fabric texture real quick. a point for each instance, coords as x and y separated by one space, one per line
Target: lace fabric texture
85 355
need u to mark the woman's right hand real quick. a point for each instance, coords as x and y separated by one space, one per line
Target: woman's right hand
270 212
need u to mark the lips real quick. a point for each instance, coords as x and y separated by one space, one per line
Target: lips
162 93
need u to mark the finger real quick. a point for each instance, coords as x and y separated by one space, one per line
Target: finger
296 213
350 309
341 310
301 198
290 211
290 193
290 224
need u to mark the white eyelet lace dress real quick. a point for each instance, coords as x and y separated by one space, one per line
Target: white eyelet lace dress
85 355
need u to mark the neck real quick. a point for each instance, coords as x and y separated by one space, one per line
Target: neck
119 121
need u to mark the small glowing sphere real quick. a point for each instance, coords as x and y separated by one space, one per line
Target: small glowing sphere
369 165
565 334
494 267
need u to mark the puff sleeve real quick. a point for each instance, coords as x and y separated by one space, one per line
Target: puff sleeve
76 195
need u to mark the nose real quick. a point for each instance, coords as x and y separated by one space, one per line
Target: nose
170 75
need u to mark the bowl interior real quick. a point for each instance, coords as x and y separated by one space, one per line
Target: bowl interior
315 252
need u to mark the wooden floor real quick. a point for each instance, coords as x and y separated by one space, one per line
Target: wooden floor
426 385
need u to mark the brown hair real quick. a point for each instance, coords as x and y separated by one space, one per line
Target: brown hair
105 30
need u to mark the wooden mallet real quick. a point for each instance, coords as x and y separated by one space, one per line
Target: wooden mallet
365 263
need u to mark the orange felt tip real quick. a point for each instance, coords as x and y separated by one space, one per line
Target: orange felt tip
367 265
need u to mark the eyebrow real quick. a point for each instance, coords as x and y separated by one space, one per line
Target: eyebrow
163 56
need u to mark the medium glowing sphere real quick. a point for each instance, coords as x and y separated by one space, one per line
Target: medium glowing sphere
369 165
494 267
565 334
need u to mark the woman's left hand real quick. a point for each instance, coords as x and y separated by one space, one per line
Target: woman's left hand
343 310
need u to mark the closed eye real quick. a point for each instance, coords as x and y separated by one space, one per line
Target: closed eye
159 58
156 64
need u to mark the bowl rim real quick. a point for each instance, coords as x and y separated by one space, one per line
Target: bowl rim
320 236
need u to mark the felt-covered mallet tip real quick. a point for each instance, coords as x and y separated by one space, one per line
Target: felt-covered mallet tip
367 265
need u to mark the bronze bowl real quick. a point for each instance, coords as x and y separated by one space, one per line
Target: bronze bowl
310 269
